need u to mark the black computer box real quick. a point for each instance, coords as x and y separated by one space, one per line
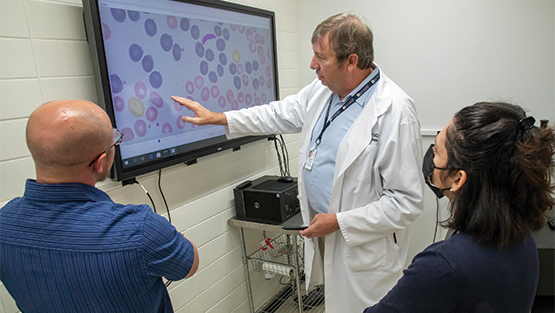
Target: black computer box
268 199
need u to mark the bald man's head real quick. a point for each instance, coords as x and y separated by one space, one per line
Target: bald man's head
67 135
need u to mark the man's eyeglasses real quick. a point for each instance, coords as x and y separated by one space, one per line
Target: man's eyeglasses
118 136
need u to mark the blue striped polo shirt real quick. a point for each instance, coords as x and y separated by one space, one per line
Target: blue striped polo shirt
70 248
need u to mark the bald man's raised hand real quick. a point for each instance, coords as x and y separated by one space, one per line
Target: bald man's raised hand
203 116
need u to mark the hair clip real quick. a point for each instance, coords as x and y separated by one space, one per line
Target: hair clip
526 123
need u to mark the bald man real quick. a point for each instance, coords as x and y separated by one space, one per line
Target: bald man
65 246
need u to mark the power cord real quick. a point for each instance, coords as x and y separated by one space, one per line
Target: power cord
282 154
151 201
162 194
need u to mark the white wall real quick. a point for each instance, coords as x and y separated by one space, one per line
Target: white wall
447 54
44 56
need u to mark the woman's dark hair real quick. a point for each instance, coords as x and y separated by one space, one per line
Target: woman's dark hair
508 166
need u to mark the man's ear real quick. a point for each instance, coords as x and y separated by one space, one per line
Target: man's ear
98 165
459 181
352 61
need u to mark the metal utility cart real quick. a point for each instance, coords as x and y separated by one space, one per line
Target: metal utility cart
286 259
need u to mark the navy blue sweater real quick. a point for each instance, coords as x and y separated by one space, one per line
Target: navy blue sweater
459 275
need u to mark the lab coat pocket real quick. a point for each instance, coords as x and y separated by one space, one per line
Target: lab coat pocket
368 256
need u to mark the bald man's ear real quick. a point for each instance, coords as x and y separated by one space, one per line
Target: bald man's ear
99 166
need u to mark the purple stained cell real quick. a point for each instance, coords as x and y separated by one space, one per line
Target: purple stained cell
178 107
229 95
180 123
252 46
220 44
264 97
128 134
118 15
221 102
166 128
116 83
140 89
220 70
135 52
260 50
254 29
248 99
262 59
232 68
218 30
269 83
226 34
119 104
199 49
262 80
248 67
239 69
240 97
151 114
223 58
208 37
172 21
147 63
234 105
255 84
106 31
150 27
184 24
155 79
257 38
237 82
176 51
140 128
195 32
156 99
269 71
241 29
269 53
199 82
262 39
249 34
189 87
245 80
257 101
233 27
204 67
209 55
166 42
205 94
212 77
255 65
134 15
215 91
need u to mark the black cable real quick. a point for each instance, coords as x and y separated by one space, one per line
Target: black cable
162 193
437 219
282 154
151 201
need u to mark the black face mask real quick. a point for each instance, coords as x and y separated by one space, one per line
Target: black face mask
428 167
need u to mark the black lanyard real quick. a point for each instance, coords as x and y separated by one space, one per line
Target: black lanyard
344 107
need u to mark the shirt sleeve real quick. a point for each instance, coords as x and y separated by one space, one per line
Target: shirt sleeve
167 253
429 284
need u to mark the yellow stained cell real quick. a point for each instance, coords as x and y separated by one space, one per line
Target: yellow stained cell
136 107
236 56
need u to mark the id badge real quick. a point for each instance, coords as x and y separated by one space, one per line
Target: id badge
310 159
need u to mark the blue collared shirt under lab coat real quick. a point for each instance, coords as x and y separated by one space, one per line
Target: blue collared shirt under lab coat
319 180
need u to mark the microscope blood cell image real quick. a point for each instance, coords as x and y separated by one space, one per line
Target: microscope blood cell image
151 56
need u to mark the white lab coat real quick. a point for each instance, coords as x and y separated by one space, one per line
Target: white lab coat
377 189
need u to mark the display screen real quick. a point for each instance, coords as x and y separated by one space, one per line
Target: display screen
219 54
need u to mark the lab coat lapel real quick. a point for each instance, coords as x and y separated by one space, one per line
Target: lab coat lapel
359 137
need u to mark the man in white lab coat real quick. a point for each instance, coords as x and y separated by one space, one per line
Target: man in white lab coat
360 183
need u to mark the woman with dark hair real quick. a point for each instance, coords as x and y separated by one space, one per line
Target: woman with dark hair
495 167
